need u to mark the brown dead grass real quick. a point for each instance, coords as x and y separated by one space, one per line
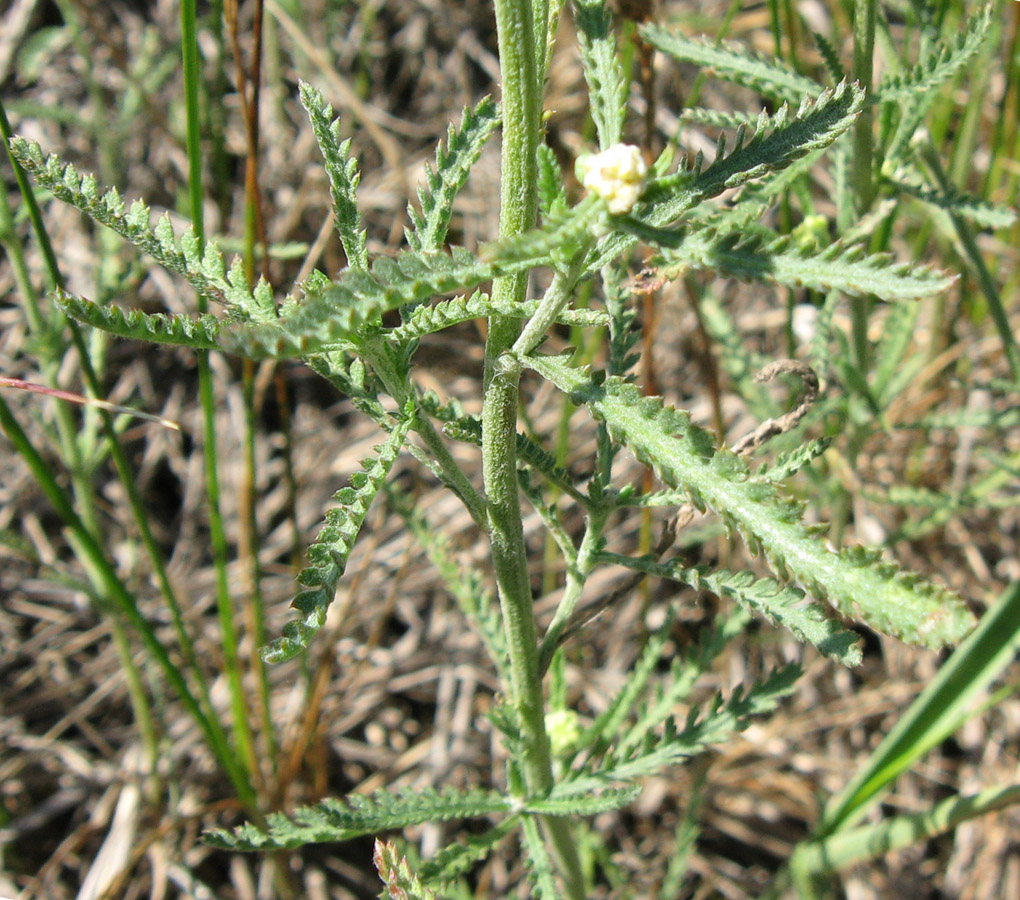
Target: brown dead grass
396 689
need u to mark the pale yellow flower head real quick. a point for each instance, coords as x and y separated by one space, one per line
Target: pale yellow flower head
617 175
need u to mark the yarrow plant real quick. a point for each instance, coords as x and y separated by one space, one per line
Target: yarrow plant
360 330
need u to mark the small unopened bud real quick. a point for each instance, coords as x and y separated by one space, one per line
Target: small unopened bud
617 175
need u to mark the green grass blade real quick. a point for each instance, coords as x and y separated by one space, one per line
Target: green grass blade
218 538
940 709
812 861
92 555
117 453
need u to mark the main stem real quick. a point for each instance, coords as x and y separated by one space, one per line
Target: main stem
521 114
865 16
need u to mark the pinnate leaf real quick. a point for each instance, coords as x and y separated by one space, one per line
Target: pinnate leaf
200 333
395 872
454 162
770 76
357 815
857 582
342 171
328 555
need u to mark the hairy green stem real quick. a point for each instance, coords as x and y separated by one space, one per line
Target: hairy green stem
865 16
521 104
551 305
441 463
577 574
863 138
521 109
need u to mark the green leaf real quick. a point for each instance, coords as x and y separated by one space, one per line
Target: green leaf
855 581
771 77
788 464
328 555
453 165
552 195
622 306
444 313
942 61
538 865
777 142
342 171
716 723
713 118
982 214
347 310
568 799
761 255
356 300
202 268
614 726
357 815
894 370
607 87
869 842
786 607
831 57
944 705
395 872
561 236
199 334
457 859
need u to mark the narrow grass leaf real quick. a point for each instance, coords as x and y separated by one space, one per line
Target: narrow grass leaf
859 845
940 709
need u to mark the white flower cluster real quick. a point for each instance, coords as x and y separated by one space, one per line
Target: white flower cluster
564 729
617 175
